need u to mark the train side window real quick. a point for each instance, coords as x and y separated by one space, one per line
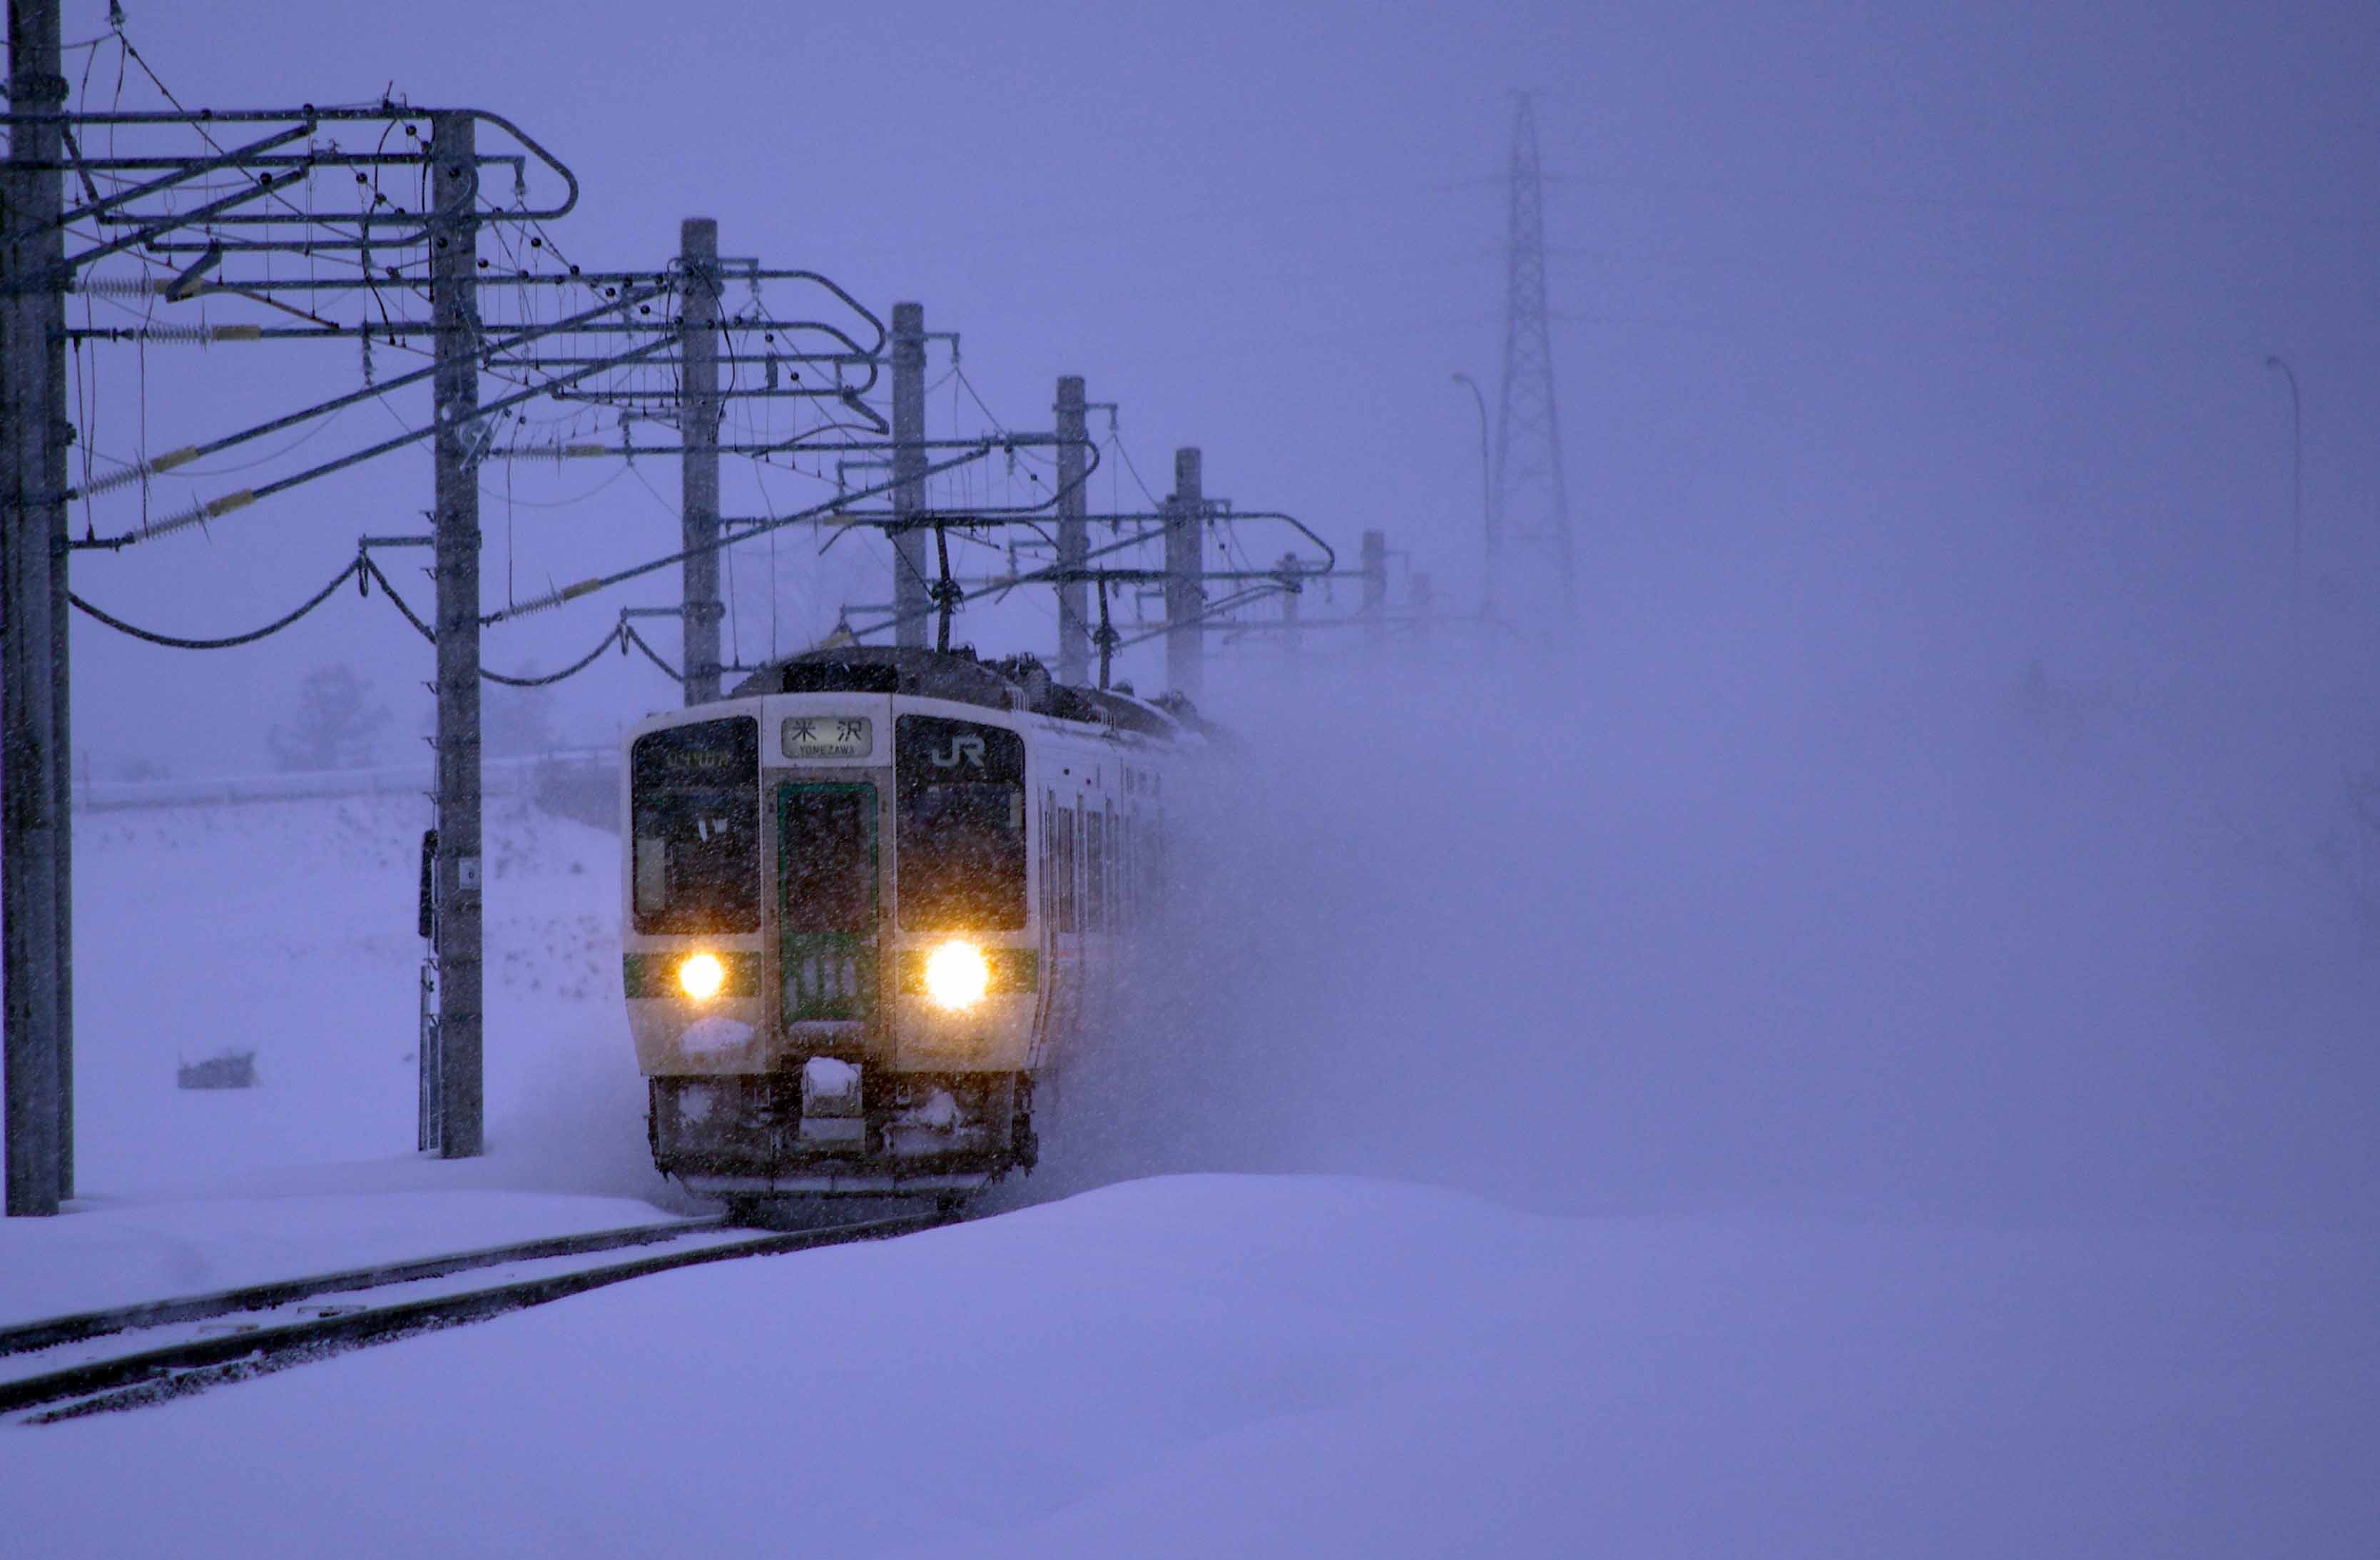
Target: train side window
1064 842
1095 880
1120 891
1049 858
1152 863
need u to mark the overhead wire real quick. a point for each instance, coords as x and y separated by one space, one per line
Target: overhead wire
618 634
176 643
376 280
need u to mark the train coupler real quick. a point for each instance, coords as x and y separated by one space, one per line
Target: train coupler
832 1113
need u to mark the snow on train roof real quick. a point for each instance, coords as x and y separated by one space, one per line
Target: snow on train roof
1016 682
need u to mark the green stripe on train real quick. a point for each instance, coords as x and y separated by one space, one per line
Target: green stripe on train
656 974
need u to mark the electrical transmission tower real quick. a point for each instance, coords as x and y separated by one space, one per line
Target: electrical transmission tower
1530 581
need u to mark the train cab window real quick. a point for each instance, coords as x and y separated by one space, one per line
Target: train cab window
694 806
959 835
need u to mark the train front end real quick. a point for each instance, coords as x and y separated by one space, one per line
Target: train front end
831 968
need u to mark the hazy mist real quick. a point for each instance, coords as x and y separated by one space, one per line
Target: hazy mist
1943 798
1941 329
1633 935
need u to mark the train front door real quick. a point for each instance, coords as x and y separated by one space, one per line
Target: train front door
826 903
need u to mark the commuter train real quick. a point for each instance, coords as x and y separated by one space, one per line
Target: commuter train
870 898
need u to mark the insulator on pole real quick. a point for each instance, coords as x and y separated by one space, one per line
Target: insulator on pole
138 469
555 598
199 514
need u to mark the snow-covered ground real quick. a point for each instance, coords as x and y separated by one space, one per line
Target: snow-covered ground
1310 1366
1938 1144
117 1253
287 928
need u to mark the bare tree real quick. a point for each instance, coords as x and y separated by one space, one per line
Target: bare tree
518 721
337 724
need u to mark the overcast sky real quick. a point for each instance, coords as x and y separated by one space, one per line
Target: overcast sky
1909 337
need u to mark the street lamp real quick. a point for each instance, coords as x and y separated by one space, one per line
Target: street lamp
1486 487
2297 472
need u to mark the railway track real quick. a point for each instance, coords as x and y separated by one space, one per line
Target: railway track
98 1361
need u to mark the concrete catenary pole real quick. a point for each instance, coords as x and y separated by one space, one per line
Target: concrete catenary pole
698 407
1073 534
33 437
1185 591
455 310
62 780
62 742
911 603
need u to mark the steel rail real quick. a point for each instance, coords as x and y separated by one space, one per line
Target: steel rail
103 1384
53 1331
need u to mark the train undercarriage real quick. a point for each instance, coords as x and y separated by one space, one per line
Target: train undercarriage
834 1128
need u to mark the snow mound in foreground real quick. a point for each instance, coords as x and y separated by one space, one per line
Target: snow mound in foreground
1218 1365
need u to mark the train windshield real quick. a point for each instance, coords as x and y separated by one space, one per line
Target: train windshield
961 835
695 800
826 856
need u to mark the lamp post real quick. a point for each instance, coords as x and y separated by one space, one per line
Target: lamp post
1487 495
2297 473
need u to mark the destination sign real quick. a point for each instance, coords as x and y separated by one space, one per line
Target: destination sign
828 737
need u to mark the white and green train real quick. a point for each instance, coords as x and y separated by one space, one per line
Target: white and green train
871 897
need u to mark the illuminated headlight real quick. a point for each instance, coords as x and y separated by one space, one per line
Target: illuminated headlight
956 975
699 976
